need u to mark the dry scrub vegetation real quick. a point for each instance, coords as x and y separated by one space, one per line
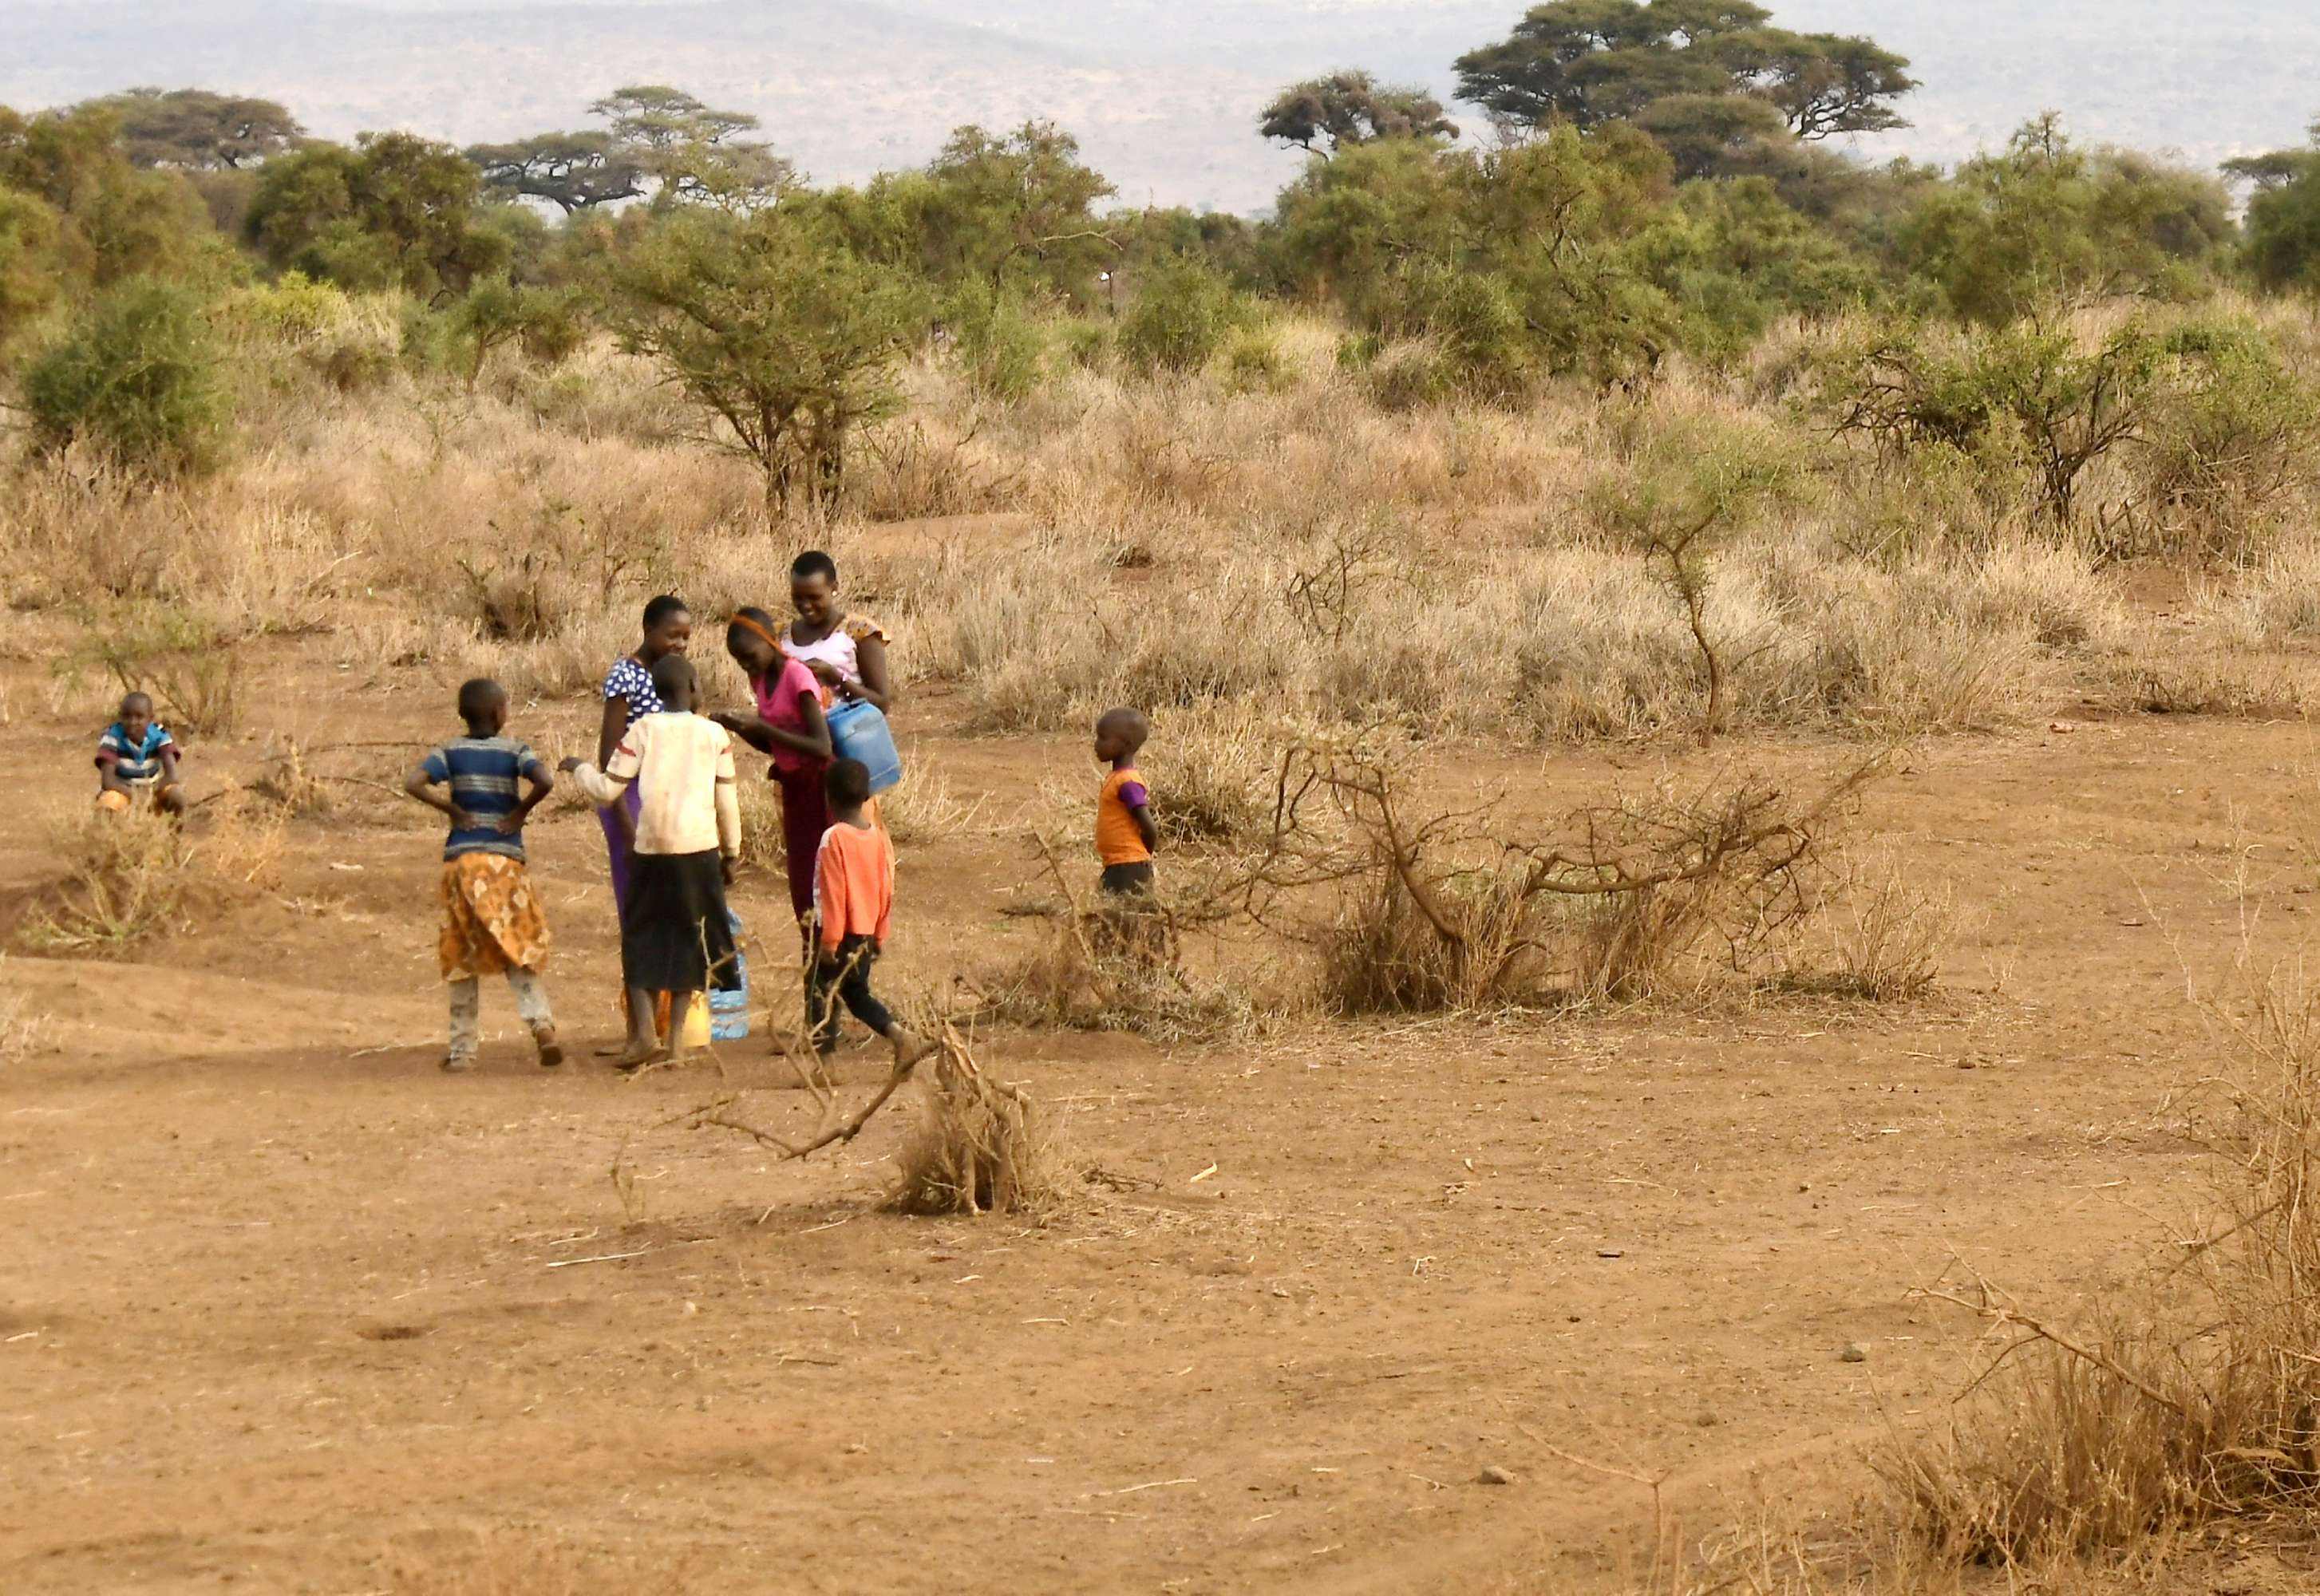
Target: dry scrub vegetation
1296 552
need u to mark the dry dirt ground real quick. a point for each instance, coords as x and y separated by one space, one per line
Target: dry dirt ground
284 1308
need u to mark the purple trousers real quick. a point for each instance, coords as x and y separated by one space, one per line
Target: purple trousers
619 842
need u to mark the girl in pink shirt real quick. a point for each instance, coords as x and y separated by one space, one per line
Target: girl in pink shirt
790 726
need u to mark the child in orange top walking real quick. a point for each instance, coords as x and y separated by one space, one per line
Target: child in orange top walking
1125 835
853 908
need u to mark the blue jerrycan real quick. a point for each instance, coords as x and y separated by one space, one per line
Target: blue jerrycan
859 731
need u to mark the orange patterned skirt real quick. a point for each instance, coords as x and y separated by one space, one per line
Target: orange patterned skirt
491 918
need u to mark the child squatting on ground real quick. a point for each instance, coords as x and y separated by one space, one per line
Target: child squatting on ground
1125 835
674 931
493 922
136 757
853 908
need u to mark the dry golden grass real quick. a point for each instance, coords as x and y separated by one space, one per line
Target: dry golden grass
23 1030
122 879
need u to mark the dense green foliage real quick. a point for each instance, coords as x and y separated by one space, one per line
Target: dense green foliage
2283 218
1184 312
2047 222
136 378
397 211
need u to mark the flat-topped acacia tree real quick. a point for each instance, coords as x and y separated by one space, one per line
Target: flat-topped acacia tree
1591 61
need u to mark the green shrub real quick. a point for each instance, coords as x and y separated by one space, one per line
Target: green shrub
547 324
1254 362
1182 318
1469 318
2014 398
2047 218
1357 350
1734 259
1086 344
431 344
138 377
997 345
2231 430
556 325
294 312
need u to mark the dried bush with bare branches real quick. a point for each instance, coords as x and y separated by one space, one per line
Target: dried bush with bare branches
1108 965
980 1145
1626 898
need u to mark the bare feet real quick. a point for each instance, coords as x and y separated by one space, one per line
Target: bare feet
458 1063
636 1055
551 1051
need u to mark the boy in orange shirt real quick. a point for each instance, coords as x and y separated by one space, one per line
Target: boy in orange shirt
1125 835
853 906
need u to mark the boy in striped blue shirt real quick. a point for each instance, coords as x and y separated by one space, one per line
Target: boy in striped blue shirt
137 756
493 922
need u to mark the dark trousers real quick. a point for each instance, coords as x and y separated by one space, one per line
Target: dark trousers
805 816
848 979
1123 880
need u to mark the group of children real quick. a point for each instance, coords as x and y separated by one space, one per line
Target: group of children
676 931
674 928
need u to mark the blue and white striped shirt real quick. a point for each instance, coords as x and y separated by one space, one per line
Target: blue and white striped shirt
136 762
483 772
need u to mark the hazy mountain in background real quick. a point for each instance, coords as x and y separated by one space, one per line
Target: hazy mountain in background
1163 96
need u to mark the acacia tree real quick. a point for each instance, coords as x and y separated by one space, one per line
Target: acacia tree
661 142
692 152
1591 61
781 334
1713 135
1017 204
1689 495
572 171
1827 83
195 129
1351 107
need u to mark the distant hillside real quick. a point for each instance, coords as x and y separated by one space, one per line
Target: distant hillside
1164 96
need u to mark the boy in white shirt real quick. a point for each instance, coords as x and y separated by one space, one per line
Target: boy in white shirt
674 931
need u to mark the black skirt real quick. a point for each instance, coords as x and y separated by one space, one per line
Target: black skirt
674 930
